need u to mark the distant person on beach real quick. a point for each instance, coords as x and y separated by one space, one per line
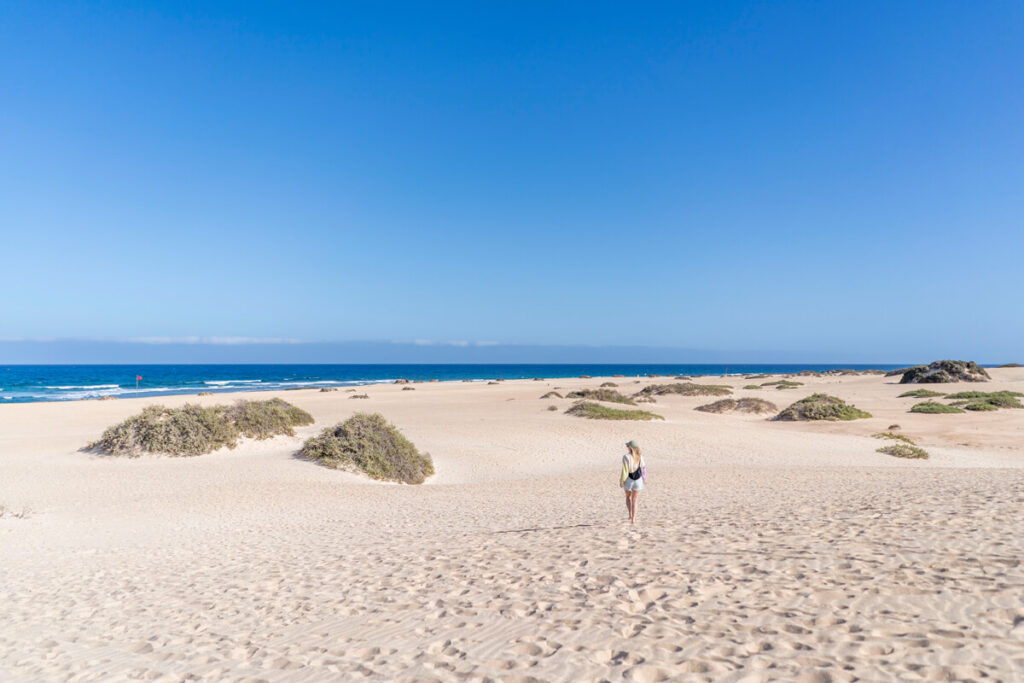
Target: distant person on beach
632 477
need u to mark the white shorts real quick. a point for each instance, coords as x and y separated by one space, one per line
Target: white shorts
633 484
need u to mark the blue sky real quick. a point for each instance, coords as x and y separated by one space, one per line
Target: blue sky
837 179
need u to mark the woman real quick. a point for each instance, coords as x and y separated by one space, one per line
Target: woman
632 477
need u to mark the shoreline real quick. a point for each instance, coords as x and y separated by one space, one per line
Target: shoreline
25 384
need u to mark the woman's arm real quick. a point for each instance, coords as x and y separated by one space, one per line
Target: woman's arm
625 472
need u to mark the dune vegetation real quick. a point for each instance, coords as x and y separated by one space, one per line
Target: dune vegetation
194 430
821 407
743 405
369 444
685 389
903 450
606 395
783 384
945 371
552 394
931 407
920 393
980 400
895 437
596 411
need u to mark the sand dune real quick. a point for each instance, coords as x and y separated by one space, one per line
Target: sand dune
763 551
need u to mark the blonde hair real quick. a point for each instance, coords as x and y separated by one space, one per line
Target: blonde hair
635 453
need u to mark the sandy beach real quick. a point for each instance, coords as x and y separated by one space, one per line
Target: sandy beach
763 550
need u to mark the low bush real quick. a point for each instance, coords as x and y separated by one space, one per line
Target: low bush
783 384
897 437
606 395
743 405
752 386
944 371
685 389
1010 365
609 384
552 407
552 394
195 430
931 407
596 411
821 407
264 419
369 444
980 400
920 393
902 450
359 396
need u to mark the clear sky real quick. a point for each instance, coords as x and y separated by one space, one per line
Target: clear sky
842 179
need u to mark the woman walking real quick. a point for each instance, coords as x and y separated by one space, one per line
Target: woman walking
632 477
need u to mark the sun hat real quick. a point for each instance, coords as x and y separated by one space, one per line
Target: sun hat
632 444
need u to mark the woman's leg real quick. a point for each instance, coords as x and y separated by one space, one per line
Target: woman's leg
629 505
636 499
632 506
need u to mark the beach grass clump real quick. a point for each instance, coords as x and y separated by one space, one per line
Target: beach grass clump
920 393
606 395
932 408
552 394
609 384
752 386
596 411
685 389
194 430
368 443
552 407
743 405
783 384
894 436
821 407
1010 365
982 401
903 450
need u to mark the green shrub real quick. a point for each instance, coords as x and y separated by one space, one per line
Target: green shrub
370 444
752 386
920 393
607 395
977 406
902 450
609 384
743 405
195 430
685 389
943 371
931 407
821 407
596 411
265 419
980 400
783 384
897 437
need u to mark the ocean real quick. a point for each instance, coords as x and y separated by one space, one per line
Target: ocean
32 383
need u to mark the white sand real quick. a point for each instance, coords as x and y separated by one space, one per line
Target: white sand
763 550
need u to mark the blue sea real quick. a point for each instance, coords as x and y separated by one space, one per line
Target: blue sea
31 383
